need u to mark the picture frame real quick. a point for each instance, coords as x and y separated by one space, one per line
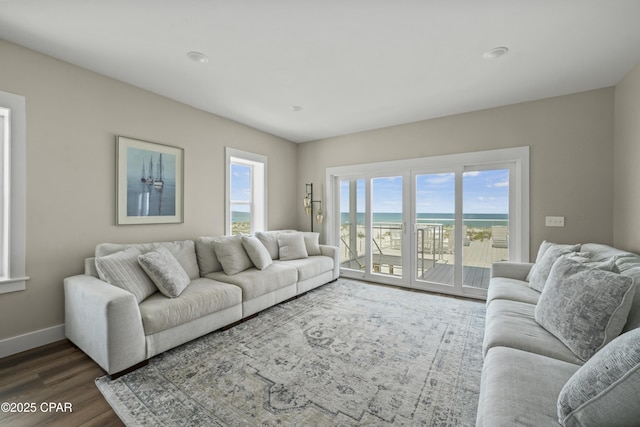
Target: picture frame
150 182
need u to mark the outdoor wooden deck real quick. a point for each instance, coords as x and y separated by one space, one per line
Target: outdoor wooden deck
478 257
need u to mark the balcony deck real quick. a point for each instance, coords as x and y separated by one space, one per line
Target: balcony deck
478 257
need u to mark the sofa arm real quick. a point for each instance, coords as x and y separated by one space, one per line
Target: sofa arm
104 321
511 270
332 252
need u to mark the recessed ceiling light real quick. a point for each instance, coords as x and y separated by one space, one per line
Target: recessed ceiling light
296 108
496 52
197 57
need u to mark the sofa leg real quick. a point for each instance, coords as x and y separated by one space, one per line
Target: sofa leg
126 371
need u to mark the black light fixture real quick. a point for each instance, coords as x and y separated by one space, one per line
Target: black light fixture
308 205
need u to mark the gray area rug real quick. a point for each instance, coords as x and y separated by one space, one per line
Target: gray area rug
346 354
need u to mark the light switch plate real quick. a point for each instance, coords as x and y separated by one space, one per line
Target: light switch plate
554 221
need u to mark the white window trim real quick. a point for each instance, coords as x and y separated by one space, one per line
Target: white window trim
14 193
517 155
259 181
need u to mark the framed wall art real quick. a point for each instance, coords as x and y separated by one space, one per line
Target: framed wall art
149 184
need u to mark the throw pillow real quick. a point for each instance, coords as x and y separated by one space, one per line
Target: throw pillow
604 391
165 271
231 254
537 277
291 246
121 269
258 254
206 255
184 252
584 307
312 243
270 241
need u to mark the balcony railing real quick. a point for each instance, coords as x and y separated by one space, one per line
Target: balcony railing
435 250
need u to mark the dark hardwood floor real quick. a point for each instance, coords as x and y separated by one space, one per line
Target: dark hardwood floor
55 383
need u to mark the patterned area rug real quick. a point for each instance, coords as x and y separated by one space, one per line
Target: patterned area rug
346 354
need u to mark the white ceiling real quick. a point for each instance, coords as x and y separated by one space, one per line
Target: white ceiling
351 65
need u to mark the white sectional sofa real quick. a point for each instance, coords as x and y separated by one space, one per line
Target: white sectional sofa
135 301
562 340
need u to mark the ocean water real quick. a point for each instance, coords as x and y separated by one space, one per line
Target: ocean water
237 216
473 220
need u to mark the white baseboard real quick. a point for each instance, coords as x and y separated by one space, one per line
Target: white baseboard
31 340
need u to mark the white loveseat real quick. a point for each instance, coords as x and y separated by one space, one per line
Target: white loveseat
562 340
135 301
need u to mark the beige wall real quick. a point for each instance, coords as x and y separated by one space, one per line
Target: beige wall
626 233
73 116
571 143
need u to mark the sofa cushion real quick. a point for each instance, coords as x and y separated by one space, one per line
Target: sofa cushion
584 307
605 390
600 252
309 267
122 269
312 243
255 283
270 241
231 254
165 271
513 324
511 289
183 250
545 246
519 388
258 254
540 271
200 298
291 246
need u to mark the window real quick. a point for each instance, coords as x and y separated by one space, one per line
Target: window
13 200
246 192
435 223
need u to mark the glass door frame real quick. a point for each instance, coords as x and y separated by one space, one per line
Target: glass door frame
368 273
519 197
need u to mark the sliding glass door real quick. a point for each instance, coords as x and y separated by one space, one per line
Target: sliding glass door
435 226
372 228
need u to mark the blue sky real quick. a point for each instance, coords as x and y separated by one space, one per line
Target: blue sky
483 192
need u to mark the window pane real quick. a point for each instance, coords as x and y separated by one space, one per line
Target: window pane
241 198
240 218
486 223
435 231
386 239
352 224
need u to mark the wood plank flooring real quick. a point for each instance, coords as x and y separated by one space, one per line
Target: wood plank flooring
58 374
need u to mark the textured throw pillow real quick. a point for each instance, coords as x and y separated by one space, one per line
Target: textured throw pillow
291 246
312 243
584 307
258 254
206 255
270 241
185 253
165 271
231 254
605 390
540 271
122 269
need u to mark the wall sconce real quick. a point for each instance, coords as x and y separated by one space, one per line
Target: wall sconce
308 205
